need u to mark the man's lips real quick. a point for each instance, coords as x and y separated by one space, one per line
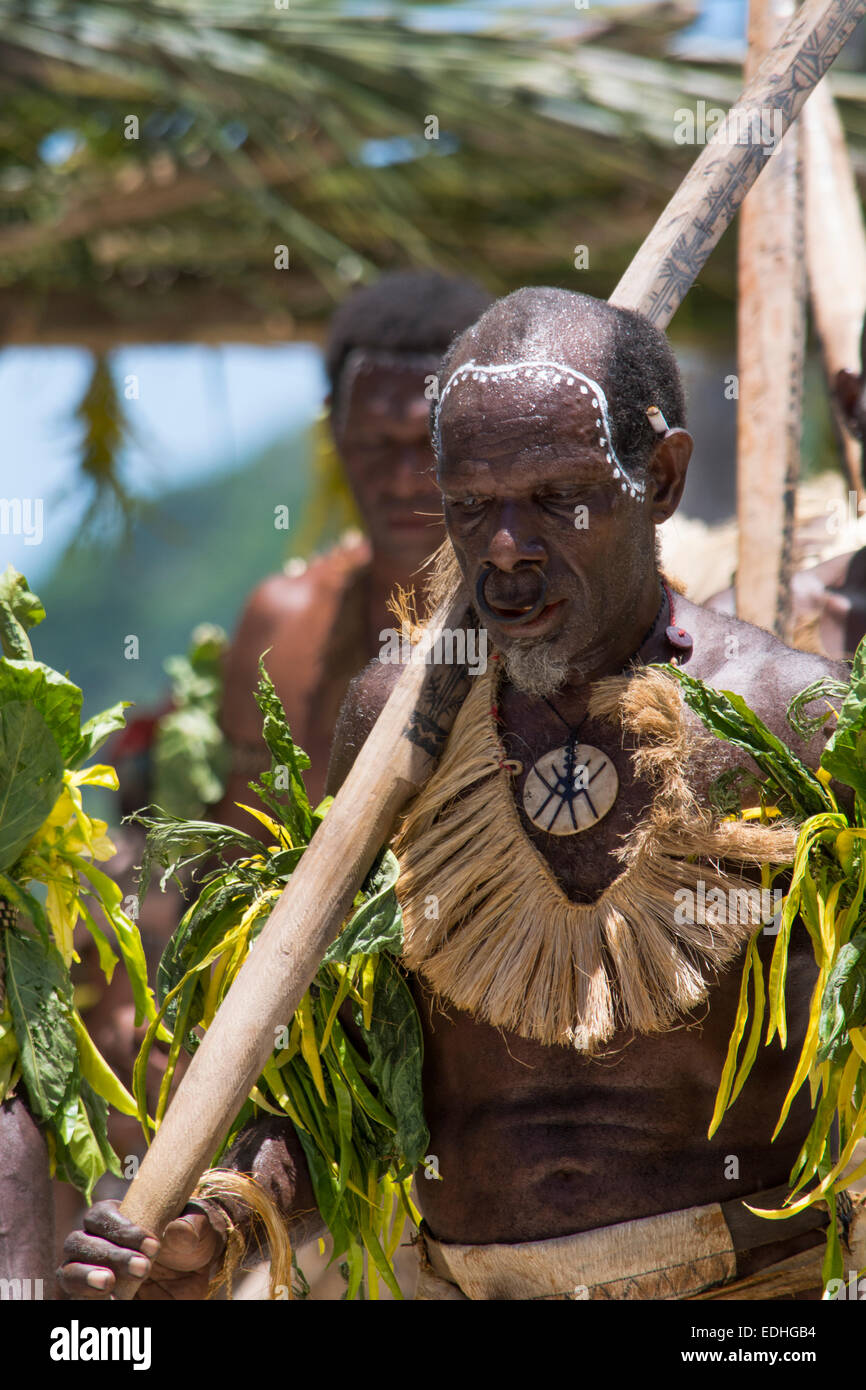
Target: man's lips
541 620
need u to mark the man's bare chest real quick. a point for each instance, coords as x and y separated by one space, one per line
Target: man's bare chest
586 862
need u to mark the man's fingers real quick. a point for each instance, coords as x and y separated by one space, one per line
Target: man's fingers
91 1266
83 1281
111 1247
189 1243
103 1219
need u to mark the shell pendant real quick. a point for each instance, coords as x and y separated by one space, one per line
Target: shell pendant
570 789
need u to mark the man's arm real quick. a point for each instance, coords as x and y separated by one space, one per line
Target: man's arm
365 699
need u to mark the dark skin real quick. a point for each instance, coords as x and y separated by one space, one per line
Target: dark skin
26 1227
316 642
532 1141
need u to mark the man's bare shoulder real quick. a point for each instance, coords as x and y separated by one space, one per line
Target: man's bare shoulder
298 591
766 672
363 703
290 616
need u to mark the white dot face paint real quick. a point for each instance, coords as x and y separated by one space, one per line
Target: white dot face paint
554 373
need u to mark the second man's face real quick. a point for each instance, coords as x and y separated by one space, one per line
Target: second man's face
383 435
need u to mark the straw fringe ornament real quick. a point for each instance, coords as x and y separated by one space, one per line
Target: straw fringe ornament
508 945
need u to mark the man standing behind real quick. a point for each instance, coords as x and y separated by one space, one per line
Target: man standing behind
321 625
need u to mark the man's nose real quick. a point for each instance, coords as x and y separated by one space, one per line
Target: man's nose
514 541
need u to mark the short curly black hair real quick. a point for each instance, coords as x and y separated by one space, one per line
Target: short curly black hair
629 357
405 311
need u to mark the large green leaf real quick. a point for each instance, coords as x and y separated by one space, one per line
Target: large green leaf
96 731
55 697
377 925
19 610
31 776
844 1003
844 757
396 1047
326 1191
40 999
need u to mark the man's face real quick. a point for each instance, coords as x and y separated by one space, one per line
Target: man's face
382 430
527 488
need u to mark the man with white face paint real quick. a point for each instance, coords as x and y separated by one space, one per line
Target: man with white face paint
575 1026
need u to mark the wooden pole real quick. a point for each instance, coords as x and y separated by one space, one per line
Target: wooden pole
835 253
771 330
707 200
395 761
405 742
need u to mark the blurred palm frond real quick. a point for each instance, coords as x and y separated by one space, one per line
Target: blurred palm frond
153 157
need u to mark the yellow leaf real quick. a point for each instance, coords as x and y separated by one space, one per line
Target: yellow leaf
727 1078
61 907
256 1095
368 977
810 1047
858 1041
213 989
279 832
309 1047
100 775
98 1073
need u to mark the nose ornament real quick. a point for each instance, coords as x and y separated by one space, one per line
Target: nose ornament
491 614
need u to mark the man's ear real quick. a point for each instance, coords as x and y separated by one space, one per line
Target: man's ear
847 389
667 469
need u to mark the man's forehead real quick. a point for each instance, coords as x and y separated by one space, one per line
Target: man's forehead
484 410
518 404
378 372
477 411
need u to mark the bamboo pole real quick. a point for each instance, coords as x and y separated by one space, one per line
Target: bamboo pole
405 742
835 253
770 352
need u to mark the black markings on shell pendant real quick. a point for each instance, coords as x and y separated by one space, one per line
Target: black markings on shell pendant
570 789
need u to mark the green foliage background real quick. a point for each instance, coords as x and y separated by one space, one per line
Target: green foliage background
193 557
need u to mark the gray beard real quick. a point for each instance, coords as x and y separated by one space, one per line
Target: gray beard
536 670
